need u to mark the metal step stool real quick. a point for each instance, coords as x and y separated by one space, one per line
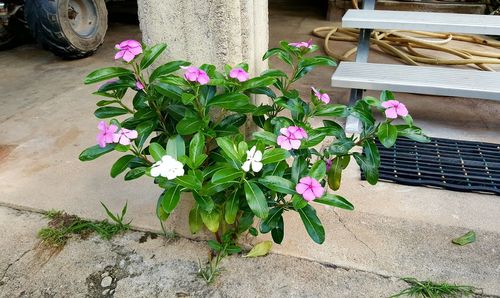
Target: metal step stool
361 75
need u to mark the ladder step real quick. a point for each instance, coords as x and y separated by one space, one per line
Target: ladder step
422 21
418 79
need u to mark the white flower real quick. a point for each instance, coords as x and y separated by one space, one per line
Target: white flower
167 167
254 157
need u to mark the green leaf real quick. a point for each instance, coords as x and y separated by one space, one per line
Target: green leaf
160 213
233 120
312 224
278 184
197 145
469 237
108 112
176 147
279 232
106 74
335 201
189 125
229 101
335 173
135 173
271 221
341 146
332 128
387 134
156 151
231 208
216 246
299 166
331 110
274 155
298 202
116 85
211 219
144 129
170 198
226 175
280 53
386 95
189 181
256 200
369 162
195 222
94 152
260 249
167 68
204 202
168 90
151 54
228 147
121 165
273 73
257 82
413 133
266 137
318 170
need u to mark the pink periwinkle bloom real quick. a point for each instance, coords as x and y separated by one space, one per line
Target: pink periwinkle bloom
328 164
302 44
139 85
238 73
124 136
128 49
394 108
105 135
194 74
290 137
309 188
321 96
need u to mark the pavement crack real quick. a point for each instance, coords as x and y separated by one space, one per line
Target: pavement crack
12 263
353 234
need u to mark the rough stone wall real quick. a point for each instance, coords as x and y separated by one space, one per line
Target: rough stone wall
208 31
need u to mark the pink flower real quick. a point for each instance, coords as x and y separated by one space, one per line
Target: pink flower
128 49
139 85
290 137
394 109
321 96
238 73
302 44
328 164
309 188
194 74
297 132
105 136
124 136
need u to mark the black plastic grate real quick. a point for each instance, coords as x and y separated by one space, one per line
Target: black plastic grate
450 164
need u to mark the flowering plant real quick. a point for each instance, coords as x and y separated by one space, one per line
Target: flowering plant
185 131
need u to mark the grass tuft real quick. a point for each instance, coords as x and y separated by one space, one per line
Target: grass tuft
62 226
435 290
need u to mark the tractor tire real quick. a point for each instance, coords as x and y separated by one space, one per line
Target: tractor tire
71 29
14 33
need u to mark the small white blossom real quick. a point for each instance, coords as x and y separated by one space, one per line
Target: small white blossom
254 158
167 167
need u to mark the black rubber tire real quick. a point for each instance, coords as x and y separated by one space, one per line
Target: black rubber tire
14 34
50 25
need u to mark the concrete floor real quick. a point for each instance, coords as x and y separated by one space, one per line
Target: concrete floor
46 120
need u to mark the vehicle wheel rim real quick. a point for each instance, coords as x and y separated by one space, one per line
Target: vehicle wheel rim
83 18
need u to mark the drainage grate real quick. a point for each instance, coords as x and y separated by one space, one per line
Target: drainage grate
450 164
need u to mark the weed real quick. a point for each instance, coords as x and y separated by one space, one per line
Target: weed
62 225
434 290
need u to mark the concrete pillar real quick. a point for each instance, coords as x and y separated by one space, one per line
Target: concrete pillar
218 32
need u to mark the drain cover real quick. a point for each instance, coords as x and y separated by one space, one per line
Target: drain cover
450 164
